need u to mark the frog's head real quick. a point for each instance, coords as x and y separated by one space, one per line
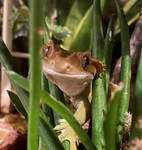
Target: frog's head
70 71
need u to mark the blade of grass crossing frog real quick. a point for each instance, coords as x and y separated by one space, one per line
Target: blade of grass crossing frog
136 130
108 51
125 70
99 96
83 32
8 62
111 123
65 113
74 18
59 108
58 94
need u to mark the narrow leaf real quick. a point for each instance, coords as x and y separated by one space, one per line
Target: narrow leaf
136 130
125 69
16 101
108 51
99 95
111 122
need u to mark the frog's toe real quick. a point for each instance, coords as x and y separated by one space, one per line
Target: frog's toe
67 133
71 137
61 120
63 124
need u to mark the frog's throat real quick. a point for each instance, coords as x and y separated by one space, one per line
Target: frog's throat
71 84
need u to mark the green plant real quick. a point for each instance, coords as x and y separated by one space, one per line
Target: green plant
106 134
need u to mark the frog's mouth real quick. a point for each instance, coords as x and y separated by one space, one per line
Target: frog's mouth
78 76
71 84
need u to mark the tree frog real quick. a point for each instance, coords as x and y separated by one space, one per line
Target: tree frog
72 72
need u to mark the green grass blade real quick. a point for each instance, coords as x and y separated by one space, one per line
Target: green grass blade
125 69
5 57
58 94
98 41
111 122
35 43
59 107
17 103
45 85
48 137
47 110
136 131
99 96
108 46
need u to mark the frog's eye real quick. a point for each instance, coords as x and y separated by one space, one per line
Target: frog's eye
86 61
46 51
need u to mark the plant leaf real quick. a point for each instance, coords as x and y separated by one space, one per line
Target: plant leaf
16 101
125 70
111 122
81 41
99 95
136 131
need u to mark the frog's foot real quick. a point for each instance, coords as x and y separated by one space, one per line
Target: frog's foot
67 133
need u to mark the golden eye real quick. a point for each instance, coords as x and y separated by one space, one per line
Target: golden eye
86 61
46 51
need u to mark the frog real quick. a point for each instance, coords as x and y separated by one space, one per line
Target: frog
73 73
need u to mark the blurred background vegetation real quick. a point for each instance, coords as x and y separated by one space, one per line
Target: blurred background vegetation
70 24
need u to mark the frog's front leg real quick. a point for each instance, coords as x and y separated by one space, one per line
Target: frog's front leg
67 133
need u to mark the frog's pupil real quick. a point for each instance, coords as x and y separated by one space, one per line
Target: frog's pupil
47 51
87 61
